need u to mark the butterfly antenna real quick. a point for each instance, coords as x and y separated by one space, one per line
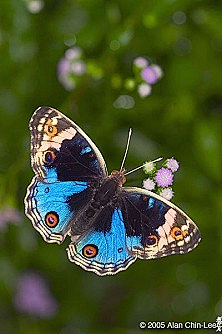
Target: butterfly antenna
127 148
133 170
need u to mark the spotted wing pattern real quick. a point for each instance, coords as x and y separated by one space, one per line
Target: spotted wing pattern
154 226
68 167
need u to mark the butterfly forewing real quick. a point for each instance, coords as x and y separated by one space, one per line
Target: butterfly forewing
154 226
68 168
58 142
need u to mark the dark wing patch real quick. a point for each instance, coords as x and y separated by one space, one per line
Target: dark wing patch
155 227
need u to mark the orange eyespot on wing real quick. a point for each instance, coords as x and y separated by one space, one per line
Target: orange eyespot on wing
151 240
90 250
50 129
52 219
176 233
49 156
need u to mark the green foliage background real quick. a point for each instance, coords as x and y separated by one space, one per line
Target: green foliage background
182 118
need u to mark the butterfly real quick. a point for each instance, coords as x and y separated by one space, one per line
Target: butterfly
110 225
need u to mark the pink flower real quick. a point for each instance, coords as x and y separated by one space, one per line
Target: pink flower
63 67
69 67
33 296
167 193
144 89
140 62
73 53
164 177
149 75
158 70
172 164
148 184
78 68
9 215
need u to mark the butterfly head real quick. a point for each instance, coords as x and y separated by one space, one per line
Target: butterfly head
118 176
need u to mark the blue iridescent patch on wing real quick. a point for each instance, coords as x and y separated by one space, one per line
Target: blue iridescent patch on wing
133 242
53 197
151 202
51 175
86 149
112 254
112 248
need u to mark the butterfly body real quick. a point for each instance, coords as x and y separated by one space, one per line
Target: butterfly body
72 194
104 196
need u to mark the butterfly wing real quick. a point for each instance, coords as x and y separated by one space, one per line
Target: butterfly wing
68 167
103 249
154 226
75 156
137 224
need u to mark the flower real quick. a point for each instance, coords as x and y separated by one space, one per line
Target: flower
164 177
149 75
35 6
78 68
148 184
172 164
158 70
167 193
63 67
140 62
73 53
63 72
159 180
144 89
146 75
148 167
33 297
9 215
70 67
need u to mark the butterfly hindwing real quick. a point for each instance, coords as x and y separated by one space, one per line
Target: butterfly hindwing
49 206
103 249
68 166
154 226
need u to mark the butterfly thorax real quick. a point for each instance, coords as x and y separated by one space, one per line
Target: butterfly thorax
108 189
118 176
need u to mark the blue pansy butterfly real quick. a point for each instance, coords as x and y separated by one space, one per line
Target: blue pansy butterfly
110 225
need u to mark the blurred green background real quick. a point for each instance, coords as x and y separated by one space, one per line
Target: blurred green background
181 118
